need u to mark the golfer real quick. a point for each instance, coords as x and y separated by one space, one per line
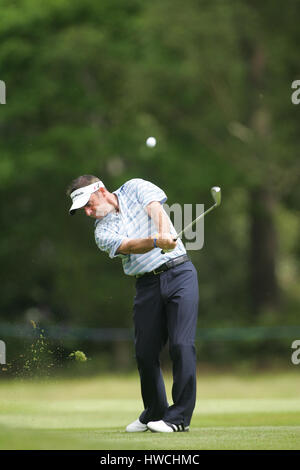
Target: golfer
131 224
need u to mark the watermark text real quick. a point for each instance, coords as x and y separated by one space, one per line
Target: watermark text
2 352
2 92
295 97
296 354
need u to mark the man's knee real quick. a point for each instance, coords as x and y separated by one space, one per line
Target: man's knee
147 359
182 352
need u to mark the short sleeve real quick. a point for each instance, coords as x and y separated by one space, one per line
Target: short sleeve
148 192
109 241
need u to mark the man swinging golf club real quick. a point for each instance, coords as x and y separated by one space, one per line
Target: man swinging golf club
130 223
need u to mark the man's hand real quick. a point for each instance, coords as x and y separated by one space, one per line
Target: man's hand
165 241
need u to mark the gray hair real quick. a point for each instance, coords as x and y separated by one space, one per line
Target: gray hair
80 182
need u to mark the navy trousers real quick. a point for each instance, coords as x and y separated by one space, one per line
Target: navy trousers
166 308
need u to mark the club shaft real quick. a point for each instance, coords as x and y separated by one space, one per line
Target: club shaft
192 223
195 221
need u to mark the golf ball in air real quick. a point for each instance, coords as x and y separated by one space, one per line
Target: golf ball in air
151 142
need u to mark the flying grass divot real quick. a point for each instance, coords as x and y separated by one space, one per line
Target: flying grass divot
42 357
78 356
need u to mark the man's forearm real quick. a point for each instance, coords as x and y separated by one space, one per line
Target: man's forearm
159 217
143 245
136 246
139 246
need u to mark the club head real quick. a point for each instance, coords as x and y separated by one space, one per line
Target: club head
216 194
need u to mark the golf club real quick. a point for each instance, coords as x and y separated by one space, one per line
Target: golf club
216 194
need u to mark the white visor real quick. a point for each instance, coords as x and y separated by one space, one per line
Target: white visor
80 197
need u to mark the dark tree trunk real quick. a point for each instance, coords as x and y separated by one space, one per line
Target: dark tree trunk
263 251
263 233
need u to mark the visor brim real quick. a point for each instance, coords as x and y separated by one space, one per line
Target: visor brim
79 203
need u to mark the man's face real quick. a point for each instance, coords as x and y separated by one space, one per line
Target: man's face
97 206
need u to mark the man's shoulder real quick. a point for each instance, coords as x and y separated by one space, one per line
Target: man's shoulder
132 183
131 188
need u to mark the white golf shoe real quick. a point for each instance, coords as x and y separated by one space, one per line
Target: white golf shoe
162 426
136 426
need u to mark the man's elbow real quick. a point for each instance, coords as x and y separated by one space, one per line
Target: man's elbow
124 248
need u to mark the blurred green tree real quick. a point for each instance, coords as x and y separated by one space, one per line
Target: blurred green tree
212 79
87 82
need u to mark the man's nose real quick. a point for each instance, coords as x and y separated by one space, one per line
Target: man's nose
87 210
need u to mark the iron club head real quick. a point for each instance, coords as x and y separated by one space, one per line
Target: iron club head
216 194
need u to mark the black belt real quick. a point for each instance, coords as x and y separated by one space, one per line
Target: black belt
164 267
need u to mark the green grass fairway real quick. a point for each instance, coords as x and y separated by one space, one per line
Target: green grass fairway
232 412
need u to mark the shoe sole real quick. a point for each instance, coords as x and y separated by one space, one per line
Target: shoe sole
173 430
162 432
140 430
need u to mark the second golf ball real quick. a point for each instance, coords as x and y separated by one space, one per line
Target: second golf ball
151 142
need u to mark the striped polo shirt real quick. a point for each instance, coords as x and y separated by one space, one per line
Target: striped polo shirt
131 222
